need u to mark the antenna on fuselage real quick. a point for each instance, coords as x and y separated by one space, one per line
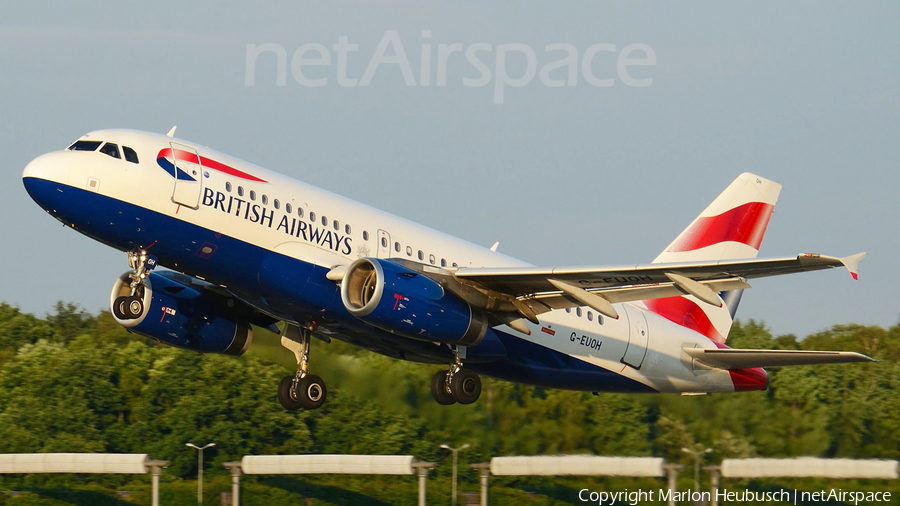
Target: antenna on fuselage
172 131
494 247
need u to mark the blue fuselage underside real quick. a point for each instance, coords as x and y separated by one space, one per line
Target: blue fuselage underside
295 290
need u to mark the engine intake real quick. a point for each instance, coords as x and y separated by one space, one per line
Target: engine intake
399 300
185 315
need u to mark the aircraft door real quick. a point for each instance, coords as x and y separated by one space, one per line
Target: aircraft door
384 244
188 176
638 337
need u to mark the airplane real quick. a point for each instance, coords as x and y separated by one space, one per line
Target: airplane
244 246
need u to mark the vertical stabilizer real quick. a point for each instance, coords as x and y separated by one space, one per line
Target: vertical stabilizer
732 227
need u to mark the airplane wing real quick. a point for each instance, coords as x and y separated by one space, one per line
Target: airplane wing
740 359
542 289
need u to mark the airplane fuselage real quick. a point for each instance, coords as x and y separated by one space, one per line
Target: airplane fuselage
271 241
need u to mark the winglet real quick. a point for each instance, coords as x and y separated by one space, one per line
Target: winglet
852 264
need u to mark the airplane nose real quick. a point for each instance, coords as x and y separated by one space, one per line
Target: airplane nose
43 175
50 167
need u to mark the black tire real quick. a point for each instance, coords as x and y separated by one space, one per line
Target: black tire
285 397
118 308
439 390
311 392
134 308
465 386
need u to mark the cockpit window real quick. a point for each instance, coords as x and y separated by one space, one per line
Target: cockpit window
111 150
85 146
130 155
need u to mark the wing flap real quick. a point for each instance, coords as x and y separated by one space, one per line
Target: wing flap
543 302
742 359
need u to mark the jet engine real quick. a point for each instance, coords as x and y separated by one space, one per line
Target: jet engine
408 303
188 314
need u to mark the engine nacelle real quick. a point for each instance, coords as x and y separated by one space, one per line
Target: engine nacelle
396 299
185 316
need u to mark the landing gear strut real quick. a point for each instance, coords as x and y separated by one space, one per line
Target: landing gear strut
131 307
302 390
456 385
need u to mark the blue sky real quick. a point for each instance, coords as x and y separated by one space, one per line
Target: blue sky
803 93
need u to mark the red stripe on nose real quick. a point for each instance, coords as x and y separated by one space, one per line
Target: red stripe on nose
208 163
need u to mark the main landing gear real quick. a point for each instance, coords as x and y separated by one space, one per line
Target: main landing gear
456 385
302 390
131 307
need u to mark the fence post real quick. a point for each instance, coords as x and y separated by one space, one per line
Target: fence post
235 482
421 469
672 473
156 467
714 473
484 470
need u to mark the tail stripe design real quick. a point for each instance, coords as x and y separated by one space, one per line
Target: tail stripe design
731 227
687 313
745 224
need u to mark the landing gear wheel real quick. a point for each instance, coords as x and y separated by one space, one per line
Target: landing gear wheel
465 386
439 389
134 308
119 308
303 390
311 392
287 398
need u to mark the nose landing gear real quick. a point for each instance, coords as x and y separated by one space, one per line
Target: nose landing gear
128 307
302 390
131 307
456 385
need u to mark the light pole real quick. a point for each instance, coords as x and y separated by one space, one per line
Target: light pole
698 455
199 468
455 452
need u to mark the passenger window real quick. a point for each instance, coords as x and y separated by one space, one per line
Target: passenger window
384 242
569 310
347 229
409 251
240 191
85 146
252 194
600 319
312 217
578 312
443 263
228 187
421 255
265 200
337 225
130 155
277 204
455 265
365 235
111 150
397 247
300 212
288 209
324 221
431 259
590 316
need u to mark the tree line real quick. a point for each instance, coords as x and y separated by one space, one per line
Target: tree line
73 381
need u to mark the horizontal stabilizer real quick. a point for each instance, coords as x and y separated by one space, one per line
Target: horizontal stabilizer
742 359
